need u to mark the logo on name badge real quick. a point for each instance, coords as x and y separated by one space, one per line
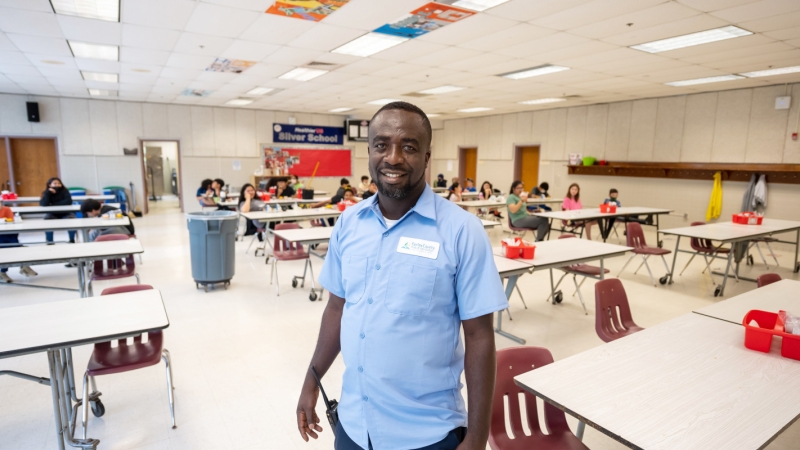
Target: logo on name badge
418 247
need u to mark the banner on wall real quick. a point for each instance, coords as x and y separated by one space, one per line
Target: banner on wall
307 134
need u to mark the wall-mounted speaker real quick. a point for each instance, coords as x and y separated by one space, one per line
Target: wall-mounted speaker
33 111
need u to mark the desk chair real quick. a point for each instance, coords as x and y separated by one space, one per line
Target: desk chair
554 434
767 278
635 239
113 269
706 248
107 360
610 298
584 270
284 250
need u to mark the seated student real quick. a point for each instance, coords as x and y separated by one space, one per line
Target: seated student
57 195
282 189
371 190
364 185
349 195
470 187
516 202
440 181
249 202
454 193
295 183
205 195
92 208
572 202
344 183
541 192
8 241
487 193
613 195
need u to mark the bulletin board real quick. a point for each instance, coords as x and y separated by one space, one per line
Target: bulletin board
332 163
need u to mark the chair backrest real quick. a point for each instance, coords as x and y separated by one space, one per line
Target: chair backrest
152 336
613 318
700 245
767 278
128 288
511 225
511 362
635 236
282 245
127 264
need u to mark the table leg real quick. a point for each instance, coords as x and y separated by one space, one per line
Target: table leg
674 258
605 227
85 234
512 281
68 413
550 228
602 270
720 290
553 288
796 248
82 279
51 362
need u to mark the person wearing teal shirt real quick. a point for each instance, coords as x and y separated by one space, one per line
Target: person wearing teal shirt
517 212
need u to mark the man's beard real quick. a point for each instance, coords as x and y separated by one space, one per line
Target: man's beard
397 192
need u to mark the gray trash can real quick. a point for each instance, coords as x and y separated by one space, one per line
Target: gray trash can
212 239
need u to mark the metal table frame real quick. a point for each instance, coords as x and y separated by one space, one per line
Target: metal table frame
604 221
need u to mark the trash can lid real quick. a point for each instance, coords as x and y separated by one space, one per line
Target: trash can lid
212 215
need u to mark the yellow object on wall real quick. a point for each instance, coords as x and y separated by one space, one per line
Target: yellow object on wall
715 203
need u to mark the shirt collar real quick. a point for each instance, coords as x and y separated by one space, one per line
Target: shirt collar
425 206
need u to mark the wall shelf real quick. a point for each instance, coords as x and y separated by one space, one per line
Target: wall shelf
776 173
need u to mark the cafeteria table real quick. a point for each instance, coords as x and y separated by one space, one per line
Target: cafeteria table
782 295
82 225
52 209
75 198
603 219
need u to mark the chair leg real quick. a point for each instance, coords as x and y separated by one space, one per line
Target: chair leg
626 265
758 247
640 265
168 360
580 296
687 264
90 290
85 404
581 429
253 239
555 287
647 266
516 286
777 264
708 268
509 314
664 260
579 286
277 283
138 280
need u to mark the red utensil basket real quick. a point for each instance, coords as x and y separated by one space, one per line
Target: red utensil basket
759 337
608 208
521 250
748 218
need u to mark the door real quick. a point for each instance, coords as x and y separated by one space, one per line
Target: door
5 172
526 166
33 161
467 164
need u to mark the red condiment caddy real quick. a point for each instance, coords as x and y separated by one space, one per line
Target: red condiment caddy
608 208
748 218
520 249
759 337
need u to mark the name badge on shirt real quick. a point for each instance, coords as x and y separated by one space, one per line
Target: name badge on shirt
418 247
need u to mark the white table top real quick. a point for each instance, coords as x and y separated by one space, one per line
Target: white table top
489 223
306 235
562 252
68 323
75 198
783 295
594 213
509 267
89 251
292 214
731 232
51 209
688 383
29 225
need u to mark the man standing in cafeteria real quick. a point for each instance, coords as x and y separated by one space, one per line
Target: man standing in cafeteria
406 269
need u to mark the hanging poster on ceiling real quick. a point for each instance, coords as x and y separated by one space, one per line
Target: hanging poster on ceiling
229 65
425 19
313 10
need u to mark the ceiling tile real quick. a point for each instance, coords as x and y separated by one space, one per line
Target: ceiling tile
635 21
33 5
273 29
149 38
248 50
18 69
367 15
522 32
325 37
757 10
550 42
29 22
591 12
481 60
740 52
292 56
252 5
90 30
783 34
170 14
220 20
29 79
444 56
464 30
51 60
667 30
141 56
185 61
200 44
97 65
772 23
767 59
217 77
573 51
65 73
42 45
408 50
265 70
526 10
6 45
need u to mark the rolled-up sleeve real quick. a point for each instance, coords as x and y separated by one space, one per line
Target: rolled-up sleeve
331 276
479 289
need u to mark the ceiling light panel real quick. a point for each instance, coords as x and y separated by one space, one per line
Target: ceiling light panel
302 74
430 116
772 72
239 101
102 93
98 76
477 5
94 51
340 110
475 109
441 90
533 72
369 44
690 40
383 101
542 101
91 9
704 80
259 91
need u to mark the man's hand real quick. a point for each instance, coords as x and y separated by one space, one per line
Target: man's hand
307 419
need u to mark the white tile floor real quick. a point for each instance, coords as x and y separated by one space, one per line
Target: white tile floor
239 355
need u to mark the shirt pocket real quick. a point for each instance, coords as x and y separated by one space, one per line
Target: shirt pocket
412 295
354 275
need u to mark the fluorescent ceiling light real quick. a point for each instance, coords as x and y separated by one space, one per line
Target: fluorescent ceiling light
704 80
770 72
259 91
239 101
92 9
441 90
475 109
533 72
94 51
542 101
689 40
433 115
478 5
338 110
302 74
102 93
98 76
369 44
383 101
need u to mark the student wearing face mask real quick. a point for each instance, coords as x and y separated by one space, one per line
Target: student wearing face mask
56 194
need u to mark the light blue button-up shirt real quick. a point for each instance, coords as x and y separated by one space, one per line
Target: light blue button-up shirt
405 301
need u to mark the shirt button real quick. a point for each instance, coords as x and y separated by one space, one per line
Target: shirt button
369 301
360 369
364 397
362 335
385 234
377 267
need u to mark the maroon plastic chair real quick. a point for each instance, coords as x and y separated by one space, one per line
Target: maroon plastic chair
636 240
584 270
107 360
516 230
284 250
556 436
706 248
767 278
113 269
610 300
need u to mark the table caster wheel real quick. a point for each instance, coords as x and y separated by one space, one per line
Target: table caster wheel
294 282
98 409
312 296
663 280
718 291
558 298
